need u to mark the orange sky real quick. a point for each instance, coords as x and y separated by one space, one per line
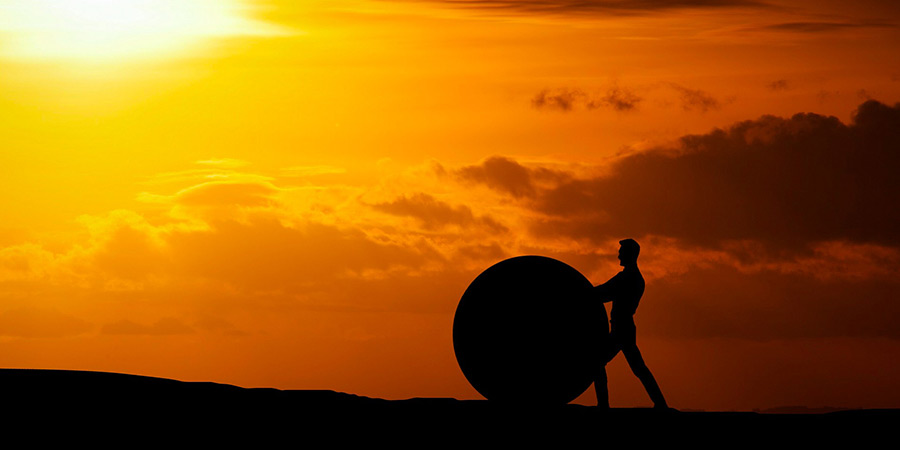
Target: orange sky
296 194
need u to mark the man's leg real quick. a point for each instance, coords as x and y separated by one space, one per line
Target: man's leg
600 380
601 387
636 362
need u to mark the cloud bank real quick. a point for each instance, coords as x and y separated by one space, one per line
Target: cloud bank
788 182
770 228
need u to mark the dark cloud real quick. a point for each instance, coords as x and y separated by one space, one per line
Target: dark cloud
785 182
623 100
824 95
779 85
595 7
561 99
696 100
821 27
164 327
502 174
617 98
568 99
434 214
508 176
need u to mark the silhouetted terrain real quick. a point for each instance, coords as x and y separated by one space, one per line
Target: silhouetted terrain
100 407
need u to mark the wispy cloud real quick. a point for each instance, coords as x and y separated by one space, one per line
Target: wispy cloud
779 85
568 99
563 99
814 27
225 163
596 7
617 98
696 99
308 171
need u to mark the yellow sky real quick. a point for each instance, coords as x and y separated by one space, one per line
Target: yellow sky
274 193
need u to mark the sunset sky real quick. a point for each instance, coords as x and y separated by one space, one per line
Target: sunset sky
295 194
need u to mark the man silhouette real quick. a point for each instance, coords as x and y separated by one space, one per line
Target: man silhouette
624 291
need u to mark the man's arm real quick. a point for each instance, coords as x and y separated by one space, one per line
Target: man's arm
607 291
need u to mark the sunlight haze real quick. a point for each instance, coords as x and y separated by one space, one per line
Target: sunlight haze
295 194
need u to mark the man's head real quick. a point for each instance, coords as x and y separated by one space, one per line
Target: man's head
628 252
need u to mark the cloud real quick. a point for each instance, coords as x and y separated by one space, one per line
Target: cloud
509 176
779 85
252 262
224 163
221 170
785 218
309 171
243 237
568 99
696 99
824 95
813 27
40 323
480 252
785 182
25 261
435 214
166 326
596 7
619 99
112 251
561 99
226 193
264 253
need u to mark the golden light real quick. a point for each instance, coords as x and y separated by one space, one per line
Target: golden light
105 30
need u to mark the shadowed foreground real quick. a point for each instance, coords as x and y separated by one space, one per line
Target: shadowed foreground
96 406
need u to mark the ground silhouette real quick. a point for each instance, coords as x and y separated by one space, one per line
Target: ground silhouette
98 408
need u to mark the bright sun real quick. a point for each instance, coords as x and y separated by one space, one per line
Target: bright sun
118 29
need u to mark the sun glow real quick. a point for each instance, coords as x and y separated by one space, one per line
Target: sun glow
118 29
